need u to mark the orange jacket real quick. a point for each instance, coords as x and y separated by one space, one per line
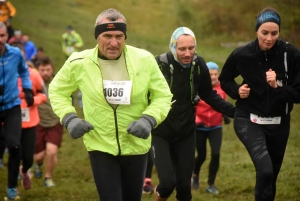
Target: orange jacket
30 116
7 10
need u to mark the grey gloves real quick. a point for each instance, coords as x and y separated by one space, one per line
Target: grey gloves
76 127
142 127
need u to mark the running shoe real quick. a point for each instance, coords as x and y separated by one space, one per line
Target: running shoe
195 181
212 189
49 182
38 172
25 179
148 187
12 194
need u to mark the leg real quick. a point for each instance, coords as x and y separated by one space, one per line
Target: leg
27 147
215 140
51 159
148 188
2 145
132 173
184 163
276 143
12 125
201 137
107 175
253 137
163 162
39 151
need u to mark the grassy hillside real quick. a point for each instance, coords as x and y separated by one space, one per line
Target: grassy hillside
150 25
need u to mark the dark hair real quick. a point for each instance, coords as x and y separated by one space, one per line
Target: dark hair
40 49
43 61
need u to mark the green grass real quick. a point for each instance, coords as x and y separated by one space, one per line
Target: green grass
150 25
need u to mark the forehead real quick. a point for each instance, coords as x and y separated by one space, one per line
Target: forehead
3 30
112 33
269 26
185 40
45 67
213 71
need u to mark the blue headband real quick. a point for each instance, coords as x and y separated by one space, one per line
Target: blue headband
267 16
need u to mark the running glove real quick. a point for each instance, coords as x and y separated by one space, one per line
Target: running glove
142 127
76 127
28 97
226 119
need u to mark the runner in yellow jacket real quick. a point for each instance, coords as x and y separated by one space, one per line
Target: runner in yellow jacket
115 80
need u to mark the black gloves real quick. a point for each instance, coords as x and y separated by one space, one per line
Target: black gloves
226 119
76 127
142 127
28 97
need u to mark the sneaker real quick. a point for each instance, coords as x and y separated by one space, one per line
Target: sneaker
195 181
212 189
25 179
12 194
38 172
49 182
148 188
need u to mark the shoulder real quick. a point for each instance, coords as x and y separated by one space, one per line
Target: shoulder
138 53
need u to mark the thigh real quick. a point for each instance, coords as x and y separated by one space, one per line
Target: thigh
54 134
40 144
253 137
201 137
215 140
107 175
162 159
132 173
13 127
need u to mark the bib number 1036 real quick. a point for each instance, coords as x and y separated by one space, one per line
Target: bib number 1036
117 92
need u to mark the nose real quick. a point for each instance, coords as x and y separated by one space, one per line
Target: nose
113 41
187 53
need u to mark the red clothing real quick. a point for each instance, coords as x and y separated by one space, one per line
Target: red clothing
30 116
206 114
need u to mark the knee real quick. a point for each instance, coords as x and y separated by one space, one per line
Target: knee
264 175
165 189
184 193
215 155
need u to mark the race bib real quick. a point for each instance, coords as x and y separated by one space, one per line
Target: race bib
264 120
117 92
25 114
70 49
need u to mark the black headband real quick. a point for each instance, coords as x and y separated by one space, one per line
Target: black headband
112 26
267 16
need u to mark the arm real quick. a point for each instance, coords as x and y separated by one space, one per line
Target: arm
37 81
291 91
210 96
160 94
79 41
60 90
227 76
11 8
24 73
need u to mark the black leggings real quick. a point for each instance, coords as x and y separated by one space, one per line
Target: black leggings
149 165
118 178
266 146
27 147
12 132
174 163
215 140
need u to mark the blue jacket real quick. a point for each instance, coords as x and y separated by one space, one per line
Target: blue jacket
30 50
12 66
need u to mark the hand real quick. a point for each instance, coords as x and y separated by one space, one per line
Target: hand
142 127
226 119
28 97
244 91
76 127
271 78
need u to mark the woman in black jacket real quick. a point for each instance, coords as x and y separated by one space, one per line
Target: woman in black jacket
269 68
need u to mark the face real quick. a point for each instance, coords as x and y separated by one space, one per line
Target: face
185 49
214 75
267 35
3 38
111 43
46 71
25 38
